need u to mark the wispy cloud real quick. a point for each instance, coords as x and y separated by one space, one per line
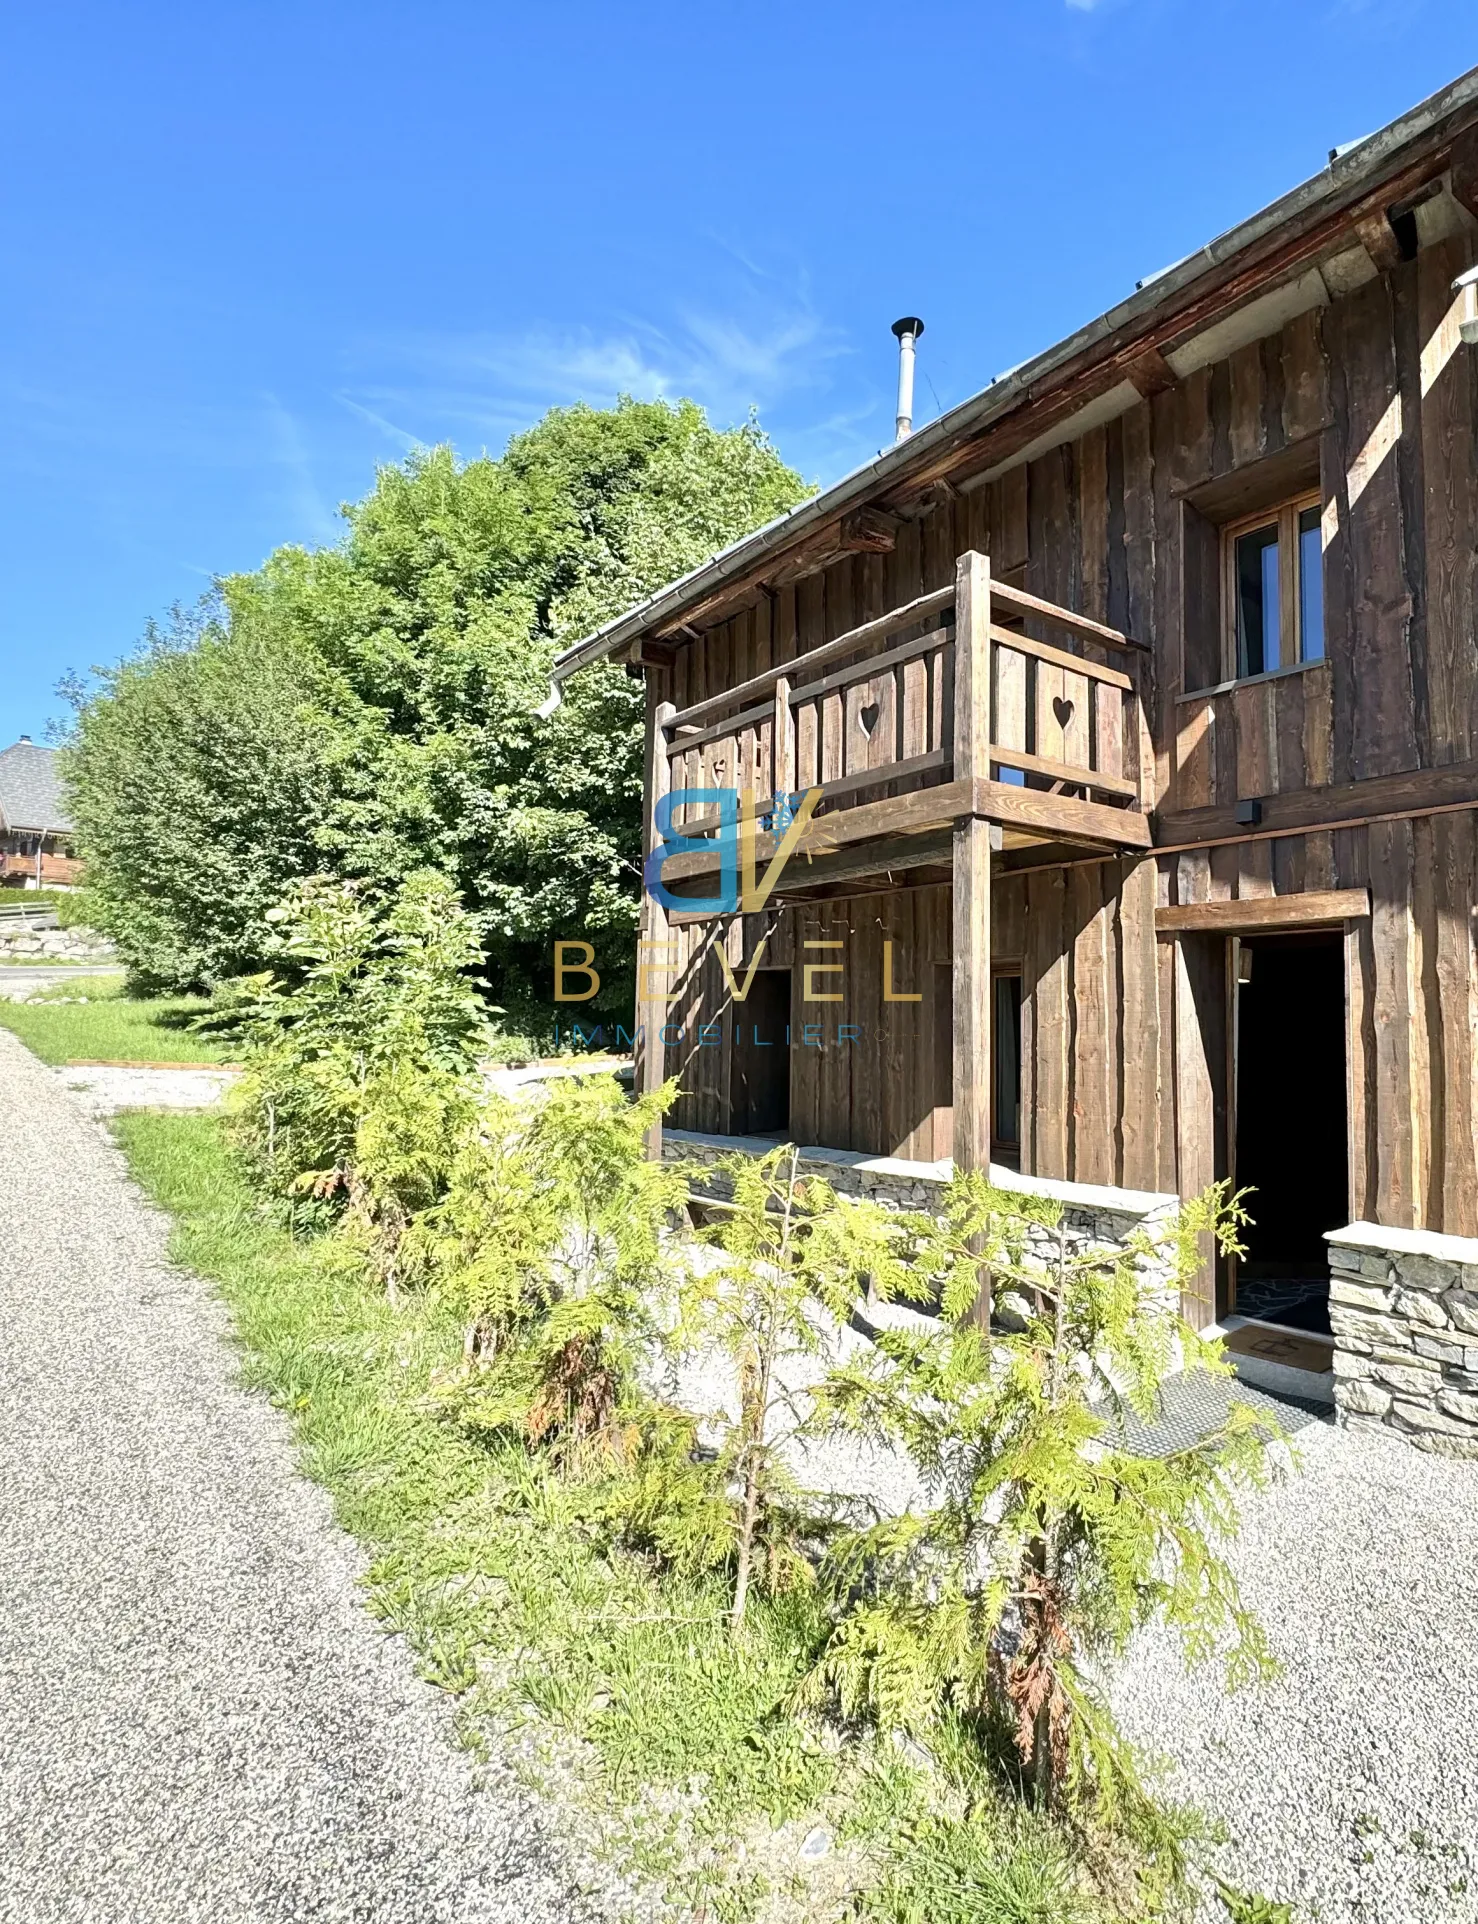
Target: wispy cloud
311 512
378 422
763 345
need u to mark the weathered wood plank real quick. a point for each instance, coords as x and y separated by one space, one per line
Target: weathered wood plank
1307 808
1073 772
1396 989
1312 908
972 995
1009 539
972 874
1246 426
1061 816
1010 639
1200 1055
1374 718
1305 377
1047 991
1091 465
811 618
1094 1097
1139 1029
1448 425
1360 1099
1456 971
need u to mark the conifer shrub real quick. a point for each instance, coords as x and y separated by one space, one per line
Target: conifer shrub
1049 1540
360 1047
553 1245
792 1261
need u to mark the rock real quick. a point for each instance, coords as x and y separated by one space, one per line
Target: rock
817 1844
1359 1295
1411 1377
1371 1264
1366 1399
1455 1403
1426 1273
1419 1308
1443 1349
1462 1310
1418 1416
1365 1327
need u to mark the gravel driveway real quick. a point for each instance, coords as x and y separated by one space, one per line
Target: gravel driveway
198 1720
1350 1785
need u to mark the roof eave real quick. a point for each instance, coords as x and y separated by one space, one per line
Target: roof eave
1346 177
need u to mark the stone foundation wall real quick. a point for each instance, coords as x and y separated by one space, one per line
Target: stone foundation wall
1403 1304
1092 1215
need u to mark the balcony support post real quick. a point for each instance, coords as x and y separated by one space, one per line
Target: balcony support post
653 956
972 883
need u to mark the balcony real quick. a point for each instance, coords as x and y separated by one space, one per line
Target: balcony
978 702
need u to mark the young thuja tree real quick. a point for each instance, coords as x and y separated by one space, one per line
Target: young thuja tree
1050 1540
360 1050
484 1247
794 1260
552 1240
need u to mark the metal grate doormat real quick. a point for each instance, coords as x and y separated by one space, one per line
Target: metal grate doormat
1194 1405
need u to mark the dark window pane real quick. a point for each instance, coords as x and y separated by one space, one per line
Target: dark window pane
1310 587
1006 1041
1258 648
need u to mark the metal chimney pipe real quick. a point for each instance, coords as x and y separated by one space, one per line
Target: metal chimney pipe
908 331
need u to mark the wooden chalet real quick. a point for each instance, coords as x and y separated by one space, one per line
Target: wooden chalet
1141 695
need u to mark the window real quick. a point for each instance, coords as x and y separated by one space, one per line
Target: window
1273 571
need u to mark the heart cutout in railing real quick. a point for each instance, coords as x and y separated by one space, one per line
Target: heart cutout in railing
1062 708
867 718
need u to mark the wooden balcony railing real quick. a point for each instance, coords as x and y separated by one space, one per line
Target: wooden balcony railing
886 710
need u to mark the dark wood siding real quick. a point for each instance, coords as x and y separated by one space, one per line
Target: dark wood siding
1122 1076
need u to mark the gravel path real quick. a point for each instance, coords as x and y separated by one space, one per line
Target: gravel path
1350 1785
198 1720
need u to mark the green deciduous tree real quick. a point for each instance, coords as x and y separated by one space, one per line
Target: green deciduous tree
369 710
200 778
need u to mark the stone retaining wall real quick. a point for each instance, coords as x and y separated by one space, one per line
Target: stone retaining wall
1093 1215
1403 1304
53 945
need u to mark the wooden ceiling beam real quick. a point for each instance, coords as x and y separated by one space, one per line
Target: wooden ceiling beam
1465 171
1378 238
1151 373
869 531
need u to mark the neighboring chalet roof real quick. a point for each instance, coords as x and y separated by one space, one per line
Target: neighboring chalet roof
31 795
1243 285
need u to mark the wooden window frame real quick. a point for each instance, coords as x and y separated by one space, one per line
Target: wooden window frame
1285 515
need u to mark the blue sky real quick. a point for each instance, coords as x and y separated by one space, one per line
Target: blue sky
252 251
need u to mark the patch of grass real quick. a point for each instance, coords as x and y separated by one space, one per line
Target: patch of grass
110 1026
681 1744
1250 1907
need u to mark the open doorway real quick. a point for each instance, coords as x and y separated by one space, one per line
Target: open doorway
1292 1144
759 1087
